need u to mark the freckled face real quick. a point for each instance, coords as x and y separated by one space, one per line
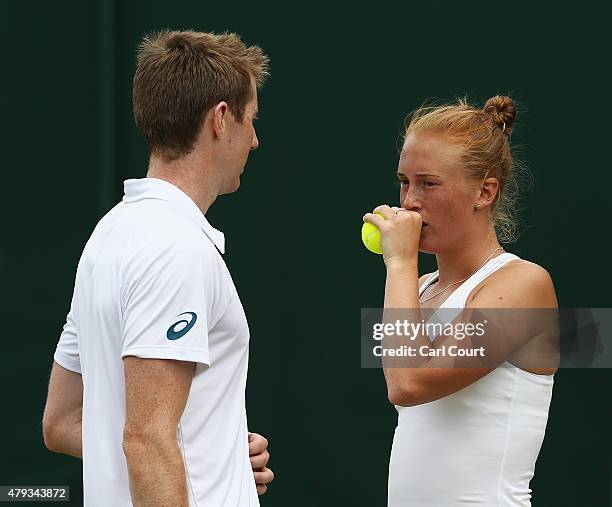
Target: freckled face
433 184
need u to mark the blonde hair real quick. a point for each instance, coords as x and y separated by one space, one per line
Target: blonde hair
484 135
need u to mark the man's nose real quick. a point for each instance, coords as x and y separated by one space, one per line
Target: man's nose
255 142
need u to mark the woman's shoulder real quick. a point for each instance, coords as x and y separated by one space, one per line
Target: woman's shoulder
522 267
522 278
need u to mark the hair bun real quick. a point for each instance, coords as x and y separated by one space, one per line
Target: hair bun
503 111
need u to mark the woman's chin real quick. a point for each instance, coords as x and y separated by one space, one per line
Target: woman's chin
425 246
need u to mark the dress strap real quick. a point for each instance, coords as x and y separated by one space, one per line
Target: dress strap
429 281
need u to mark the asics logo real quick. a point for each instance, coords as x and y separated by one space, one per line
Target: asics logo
174 334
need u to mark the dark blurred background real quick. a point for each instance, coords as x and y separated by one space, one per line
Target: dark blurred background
343 78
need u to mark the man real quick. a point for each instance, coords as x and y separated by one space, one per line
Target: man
151 365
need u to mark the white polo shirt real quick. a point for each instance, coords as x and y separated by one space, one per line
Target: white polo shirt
150 283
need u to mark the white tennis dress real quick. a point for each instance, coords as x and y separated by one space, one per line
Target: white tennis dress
477 446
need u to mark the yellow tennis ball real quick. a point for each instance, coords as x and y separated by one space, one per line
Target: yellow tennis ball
370 235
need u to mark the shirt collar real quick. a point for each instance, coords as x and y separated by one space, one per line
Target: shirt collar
155 188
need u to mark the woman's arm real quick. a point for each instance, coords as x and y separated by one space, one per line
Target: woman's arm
514 301
432 373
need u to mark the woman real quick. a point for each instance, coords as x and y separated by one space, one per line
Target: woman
465 436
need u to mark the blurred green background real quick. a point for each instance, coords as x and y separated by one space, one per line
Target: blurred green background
343 78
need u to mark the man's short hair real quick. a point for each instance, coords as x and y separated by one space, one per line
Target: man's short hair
180 75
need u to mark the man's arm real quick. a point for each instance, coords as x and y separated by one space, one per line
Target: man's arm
156 392
63 412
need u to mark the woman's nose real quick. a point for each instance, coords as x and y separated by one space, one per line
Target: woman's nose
410 202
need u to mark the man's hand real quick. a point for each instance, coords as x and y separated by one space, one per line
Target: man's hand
258 452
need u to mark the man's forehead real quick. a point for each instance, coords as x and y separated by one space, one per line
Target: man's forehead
253 105
254 110
253 92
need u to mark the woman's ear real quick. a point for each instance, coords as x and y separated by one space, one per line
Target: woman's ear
488 193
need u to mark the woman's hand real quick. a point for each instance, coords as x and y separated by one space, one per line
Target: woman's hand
400 231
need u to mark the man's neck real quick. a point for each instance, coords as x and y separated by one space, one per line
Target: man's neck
464 261
189 176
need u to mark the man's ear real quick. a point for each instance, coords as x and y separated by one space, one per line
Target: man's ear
488 192
219 118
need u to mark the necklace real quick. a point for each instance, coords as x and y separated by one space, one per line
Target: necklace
460 281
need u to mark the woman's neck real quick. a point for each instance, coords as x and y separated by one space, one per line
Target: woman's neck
462 262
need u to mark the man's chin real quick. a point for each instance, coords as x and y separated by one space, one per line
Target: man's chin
230 189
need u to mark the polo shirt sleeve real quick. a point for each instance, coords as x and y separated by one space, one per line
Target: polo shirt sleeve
67 350
167 298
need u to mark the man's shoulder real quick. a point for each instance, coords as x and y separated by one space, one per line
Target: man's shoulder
157 220
156 214
155 232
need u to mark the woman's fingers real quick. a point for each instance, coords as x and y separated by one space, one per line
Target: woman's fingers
385 210
374 219
400 231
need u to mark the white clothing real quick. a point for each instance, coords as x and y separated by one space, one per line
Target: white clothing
477 446
150 283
